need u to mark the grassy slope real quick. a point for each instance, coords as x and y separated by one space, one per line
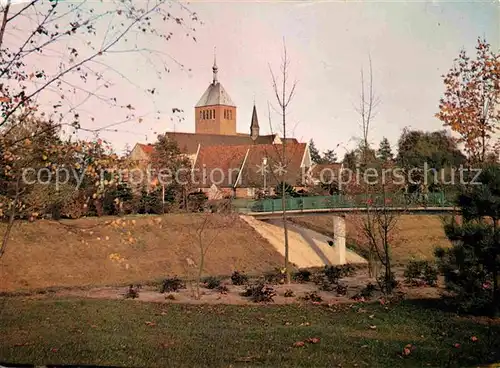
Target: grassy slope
44 253
415 236
71 331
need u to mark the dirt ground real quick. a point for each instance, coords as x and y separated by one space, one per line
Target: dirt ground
415 236
112 251
233 296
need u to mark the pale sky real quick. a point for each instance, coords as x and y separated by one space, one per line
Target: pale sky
411 45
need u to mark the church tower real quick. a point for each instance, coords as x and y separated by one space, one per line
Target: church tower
254 125
215 112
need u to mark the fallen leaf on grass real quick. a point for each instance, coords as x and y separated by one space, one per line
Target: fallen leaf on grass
305 324
474 338
299 344
288 323
152 324
373 327
54 350
407 350
313 340
456 345
371 316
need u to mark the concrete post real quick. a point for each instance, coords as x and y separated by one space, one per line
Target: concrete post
339 236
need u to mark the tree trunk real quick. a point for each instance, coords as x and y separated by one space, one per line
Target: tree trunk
4 22
12 218
483 144
496 297
388 273
285 229
200 272
6 235
283 206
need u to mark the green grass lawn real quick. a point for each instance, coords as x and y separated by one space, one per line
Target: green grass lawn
130 333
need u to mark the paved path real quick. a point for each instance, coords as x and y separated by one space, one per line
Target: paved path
307 248
305 234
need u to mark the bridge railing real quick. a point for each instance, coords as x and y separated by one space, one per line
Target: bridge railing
347 201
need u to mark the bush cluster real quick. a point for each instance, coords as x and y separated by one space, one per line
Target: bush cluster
259 293
366 292
328 278
212 282
172 284
132 292
419 273
302 275
312 297
239 278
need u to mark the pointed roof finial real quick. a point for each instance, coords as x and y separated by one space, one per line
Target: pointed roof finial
254 125
214 68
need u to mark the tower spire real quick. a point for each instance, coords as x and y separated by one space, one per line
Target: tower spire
214 67
254 125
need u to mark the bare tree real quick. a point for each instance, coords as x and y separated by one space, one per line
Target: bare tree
207 223
34 34
284 95
377 228
367 108
367 111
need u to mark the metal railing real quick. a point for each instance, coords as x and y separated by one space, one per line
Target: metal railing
340 201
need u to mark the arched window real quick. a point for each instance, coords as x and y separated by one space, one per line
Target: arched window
213 112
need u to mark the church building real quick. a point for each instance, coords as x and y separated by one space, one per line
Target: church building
216 143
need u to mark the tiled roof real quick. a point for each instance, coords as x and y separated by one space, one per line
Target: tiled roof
188 142
253 176
147 148
224 162
219 165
